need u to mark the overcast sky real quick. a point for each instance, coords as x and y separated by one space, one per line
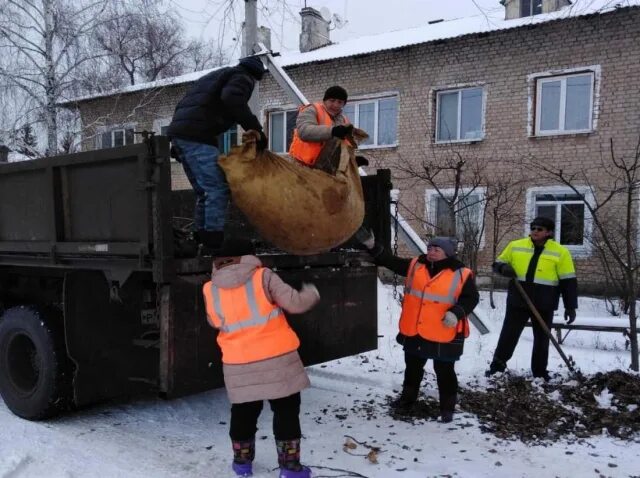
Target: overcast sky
221 19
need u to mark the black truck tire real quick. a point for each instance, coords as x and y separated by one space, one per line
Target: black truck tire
32 364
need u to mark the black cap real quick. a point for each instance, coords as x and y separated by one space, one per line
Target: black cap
335 93
545 222
254 66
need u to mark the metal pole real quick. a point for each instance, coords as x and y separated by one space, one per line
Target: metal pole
542 324
251 39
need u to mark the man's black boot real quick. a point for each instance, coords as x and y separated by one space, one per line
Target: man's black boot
210 242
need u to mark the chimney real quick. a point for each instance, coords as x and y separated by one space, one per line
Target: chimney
4 154
315 30
527 8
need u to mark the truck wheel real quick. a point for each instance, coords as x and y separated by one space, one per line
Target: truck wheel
32 359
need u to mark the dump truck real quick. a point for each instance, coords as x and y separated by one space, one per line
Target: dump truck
96 300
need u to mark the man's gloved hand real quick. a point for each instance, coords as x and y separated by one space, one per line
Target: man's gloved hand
307 286
570 315
262 142
507 271
341 131
450 319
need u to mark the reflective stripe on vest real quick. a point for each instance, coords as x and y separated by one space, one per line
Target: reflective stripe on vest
426 301
251 327
422 295
254 319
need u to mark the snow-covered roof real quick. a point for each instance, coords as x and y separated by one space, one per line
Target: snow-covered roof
446 29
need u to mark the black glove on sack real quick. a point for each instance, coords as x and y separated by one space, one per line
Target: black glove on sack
341 131
570 315
507 271
262 142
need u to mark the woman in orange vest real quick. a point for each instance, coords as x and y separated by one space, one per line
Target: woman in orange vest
246 302
318 124
440 292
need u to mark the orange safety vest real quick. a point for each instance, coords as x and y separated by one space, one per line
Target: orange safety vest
427 299
305 151
250 327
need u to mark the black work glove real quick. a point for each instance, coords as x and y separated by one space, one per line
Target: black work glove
507 271
341 131
262 142
570 315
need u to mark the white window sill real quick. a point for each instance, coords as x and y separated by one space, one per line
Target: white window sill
555 134
579 252
459 141
377 146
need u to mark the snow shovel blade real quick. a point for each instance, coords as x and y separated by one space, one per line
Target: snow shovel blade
478 323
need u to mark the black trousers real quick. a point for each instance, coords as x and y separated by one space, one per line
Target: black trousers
445 374
512 327
286 418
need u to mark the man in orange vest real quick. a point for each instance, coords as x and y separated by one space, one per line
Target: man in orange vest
439 294
320 125
246 302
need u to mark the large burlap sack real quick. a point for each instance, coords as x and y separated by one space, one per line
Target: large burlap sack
298 209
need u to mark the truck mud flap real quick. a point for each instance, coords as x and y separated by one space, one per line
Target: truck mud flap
100 330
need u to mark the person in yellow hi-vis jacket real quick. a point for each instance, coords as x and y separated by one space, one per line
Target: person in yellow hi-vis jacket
545 270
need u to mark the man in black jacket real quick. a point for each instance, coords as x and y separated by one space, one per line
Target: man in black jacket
211 106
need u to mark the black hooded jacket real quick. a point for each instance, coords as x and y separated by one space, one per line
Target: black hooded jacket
214 104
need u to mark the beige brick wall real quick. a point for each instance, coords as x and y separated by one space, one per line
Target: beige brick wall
501 62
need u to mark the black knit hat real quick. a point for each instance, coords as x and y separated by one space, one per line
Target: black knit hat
254 66
335 93
545 222
234 247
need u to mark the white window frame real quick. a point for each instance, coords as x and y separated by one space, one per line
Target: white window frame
459 90
535 99
430 214
159 123
376 100
283 111
531 5
112 129
586 248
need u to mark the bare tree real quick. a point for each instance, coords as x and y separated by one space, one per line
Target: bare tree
41 46
145 42
613 210
502 207
458 202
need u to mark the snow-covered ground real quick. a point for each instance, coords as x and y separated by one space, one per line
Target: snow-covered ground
188 437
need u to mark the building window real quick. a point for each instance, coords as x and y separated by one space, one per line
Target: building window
468 211
117 137
459 115
281 126
227 139
378 117
564 104
530 7
161 126
567 210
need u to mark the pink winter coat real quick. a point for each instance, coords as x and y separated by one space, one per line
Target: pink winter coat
276 377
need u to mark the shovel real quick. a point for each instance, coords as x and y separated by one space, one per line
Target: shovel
543 325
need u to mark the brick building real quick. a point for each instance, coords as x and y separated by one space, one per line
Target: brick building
551 81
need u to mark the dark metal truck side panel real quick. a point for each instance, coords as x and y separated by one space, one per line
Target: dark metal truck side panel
90 235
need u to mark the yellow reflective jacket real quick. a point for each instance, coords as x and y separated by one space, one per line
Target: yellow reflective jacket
554 273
